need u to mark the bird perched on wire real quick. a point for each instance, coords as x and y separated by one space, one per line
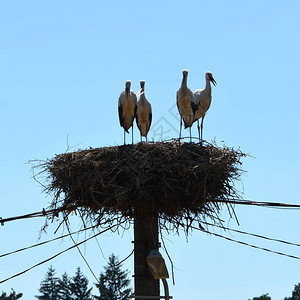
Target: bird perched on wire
143 112
184 104
127 109
202 101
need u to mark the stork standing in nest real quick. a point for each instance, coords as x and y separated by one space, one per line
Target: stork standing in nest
184 104
202 101
143 113
127 109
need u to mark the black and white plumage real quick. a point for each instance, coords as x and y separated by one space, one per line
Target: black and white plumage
202 101
127 108
143 112
184 104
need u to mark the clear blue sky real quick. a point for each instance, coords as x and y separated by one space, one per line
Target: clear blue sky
63 65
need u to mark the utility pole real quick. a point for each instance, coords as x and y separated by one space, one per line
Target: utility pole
145 240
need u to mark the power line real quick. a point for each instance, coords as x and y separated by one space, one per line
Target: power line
45 242
253 234
84 259
258 203
246 244
56 255
44 213
120 262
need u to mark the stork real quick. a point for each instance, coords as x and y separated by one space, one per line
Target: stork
184 104
127 108
143 112
202 101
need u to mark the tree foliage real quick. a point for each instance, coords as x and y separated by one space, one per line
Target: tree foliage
113 283
50 286
64 286
296 292
79 286
262 297
11 296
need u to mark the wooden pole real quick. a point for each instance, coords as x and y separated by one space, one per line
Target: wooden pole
145 240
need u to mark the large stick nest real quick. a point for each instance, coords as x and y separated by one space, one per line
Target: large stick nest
183 183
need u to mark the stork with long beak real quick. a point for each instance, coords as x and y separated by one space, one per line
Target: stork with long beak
202 101
143 113
184 104
127 109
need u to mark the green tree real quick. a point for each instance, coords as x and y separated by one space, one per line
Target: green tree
262 297
79 286
113 283
295 293
64 288
11 296
50 286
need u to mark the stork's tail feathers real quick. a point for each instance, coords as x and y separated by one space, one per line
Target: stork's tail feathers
187 125
194 106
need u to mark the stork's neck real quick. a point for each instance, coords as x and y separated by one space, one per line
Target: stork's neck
127 91
143 97
208 86
184 81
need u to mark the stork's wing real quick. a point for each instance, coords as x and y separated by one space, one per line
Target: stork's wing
209 104
134 95
120 112
150 117
177 96
136 116
194 106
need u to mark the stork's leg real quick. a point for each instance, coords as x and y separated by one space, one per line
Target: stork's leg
202 129
124 137
180 128
132 134
146 139
198 126
141 138
190 134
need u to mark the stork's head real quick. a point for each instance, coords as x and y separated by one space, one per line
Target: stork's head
127 87
185 73
142 83
128 84
209 76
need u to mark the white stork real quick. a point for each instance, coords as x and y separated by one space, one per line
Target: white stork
143 112
127 108
202 101
184 104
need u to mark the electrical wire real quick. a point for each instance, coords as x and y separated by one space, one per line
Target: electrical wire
44 213
253 234
56 255
246 244
86 262
120 262
45 242
259 203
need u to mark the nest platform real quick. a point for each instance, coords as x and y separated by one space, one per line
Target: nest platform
182 183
